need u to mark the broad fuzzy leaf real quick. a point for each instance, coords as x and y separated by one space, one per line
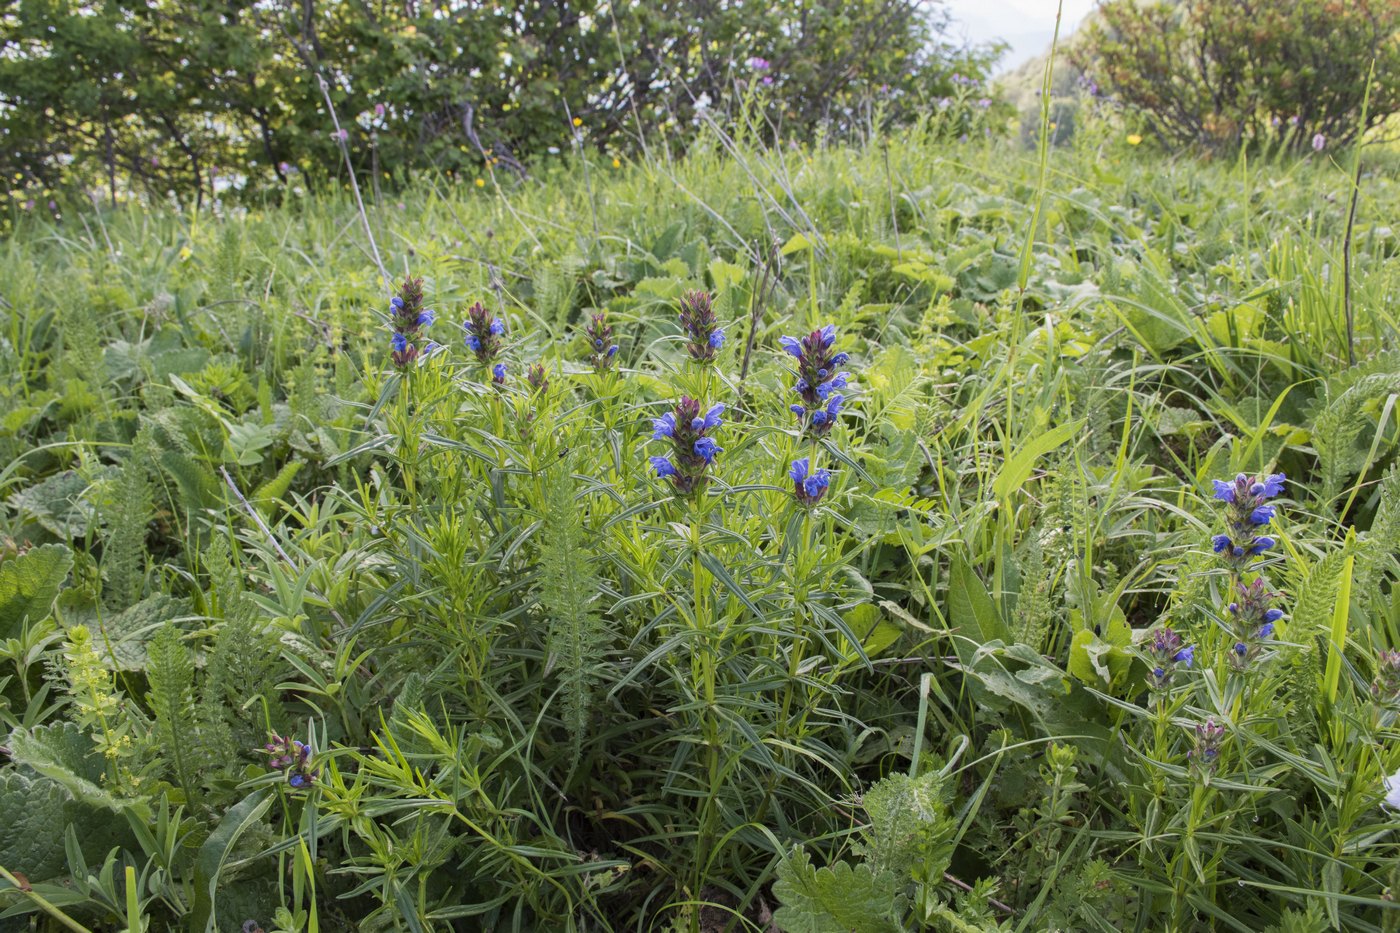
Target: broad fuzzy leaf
28 584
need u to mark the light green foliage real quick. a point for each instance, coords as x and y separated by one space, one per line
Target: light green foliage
1345 417
28 585
540 690
127 513
844 898
170 670
568 589
910 829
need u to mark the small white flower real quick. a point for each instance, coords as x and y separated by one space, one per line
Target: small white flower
1392 791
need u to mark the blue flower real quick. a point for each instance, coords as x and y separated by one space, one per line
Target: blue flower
797 410
663 467
1224 491
1262 515
400 342
1158 673
706 448
473 342
662 427
1261 545
498 373
1185 655
498 326
1272 485
297 779
1266 630
809 486
612 350
792 345
426 317
1241 648
710 421
396 303
1220 543
840 359
828 335
836 382
717 339
1273 615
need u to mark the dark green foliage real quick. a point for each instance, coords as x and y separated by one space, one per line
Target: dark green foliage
1215 74
195 97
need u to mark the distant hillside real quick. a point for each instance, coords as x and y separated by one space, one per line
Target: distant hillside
1022 83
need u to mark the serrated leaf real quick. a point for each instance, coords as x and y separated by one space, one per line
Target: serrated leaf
31 817
62 753
839 899
910 831
57 504
120 639
28 584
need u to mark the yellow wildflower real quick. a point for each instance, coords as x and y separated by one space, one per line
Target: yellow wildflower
1134 139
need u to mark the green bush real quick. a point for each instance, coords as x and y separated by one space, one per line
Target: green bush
1217 74
195 98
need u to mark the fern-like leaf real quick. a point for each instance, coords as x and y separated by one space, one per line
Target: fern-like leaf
170 670
568 587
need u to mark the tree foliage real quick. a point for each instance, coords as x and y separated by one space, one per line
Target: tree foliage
200 97
1216 74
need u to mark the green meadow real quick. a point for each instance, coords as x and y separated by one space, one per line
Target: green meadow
302 628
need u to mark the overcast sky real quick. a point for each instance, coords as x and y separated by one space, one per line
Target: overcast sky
1027 25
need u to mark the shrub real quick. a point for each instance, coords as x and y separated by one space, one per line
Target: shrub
1217 74
202 97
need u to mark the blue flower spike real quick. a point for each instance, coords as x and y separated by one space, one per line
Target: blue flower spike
808 486
694 450
818 379
1247 512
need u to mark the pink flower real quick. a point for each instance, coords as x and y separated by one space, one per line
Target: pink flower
379 110
340 135
1319 141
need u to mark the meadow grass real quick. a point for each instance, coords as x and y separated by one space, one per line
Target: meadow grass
539 688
